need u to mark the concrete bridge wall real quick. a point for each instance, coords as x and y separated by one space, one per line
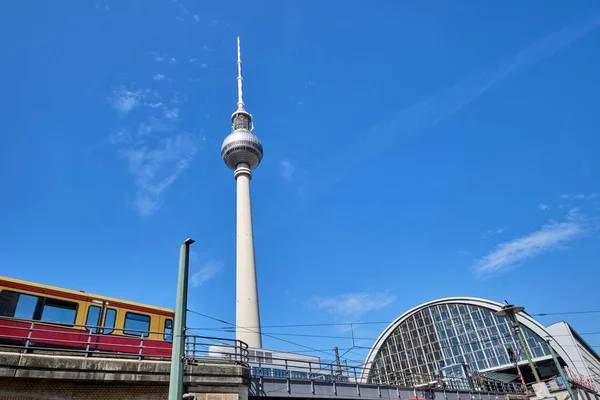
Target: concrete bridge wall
46 376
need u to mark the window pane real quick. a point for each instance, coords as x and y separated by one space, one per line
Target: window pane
92 319
169 330
137 324
26 306
59 311
8 303
109 321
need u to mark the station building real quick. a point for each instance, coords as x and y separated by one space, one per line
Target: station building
455 336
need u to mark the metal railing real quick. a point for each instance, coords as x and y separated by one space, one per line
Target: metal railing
302 369
474 383
293 368
87 341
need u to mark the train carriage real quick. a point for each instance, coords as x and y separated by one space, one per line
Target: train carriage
45 316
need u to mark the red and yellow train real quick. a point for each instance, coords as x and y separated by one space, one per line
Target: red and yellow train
45 316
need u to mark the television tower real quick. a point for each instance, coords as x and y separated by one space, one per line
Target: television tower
242 152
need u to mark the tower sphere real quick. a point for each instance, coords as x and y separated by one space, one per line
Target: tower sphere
242 146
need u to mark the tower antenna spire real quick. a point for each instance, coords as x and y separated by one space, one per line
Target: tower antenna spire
239 77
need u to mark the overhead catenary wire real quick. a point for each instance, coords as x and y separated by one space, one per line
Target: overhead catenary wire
272 337
360 363
389 322
228 329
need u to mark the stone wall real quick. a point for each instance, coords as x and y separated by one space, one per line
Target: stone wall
31 389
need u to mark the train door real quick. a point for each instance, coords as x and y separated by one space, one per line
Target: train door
100 321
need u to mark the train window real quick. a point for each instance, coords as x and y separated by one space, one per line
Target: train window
109 321
8 303
136 324
17 305
168 330
59 311
93 319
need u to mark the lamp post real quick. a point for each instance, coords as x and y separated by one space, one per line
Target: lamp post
560 371
177 366
510 311
515 358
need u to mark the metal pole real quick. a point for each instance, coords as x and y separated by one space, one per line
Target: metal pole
560 370
510 311
177 366
524 345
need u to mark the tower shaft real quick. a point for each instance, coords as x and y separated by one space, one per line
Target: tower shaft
247 311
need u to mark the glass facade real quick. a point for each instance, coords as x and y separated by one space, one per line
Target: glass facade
443 335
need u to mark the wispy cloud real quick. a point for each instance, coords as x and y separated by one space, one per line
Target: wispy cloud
287 170
204 65
493 232
162 58
210 270
353 305
158 77
543 206
153 124
550 237
125 100
579 196
442 105
156 168
172 114
154 161
121 136
446 103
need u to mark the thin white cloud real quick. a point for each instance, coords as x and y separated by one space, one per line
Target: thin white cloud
574 214
172 114
183 9
549 237
287 170
431 111
193 60
156 104
543 206
151 125
204 65
196 17
157 167
353 305
125 100
119 137
492 232
158 77
579 196
163 58
210 270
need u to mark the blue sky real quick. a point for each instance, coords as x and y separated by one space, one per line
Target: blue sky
413 150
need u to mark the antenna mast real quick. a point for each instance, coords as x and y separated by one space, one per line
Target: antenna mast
239 77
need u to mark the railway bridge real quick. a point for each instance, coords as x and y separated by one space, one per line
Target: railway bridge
34 371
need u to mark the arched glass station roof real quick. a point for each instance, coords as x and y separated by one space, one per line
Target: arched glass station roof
433 337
